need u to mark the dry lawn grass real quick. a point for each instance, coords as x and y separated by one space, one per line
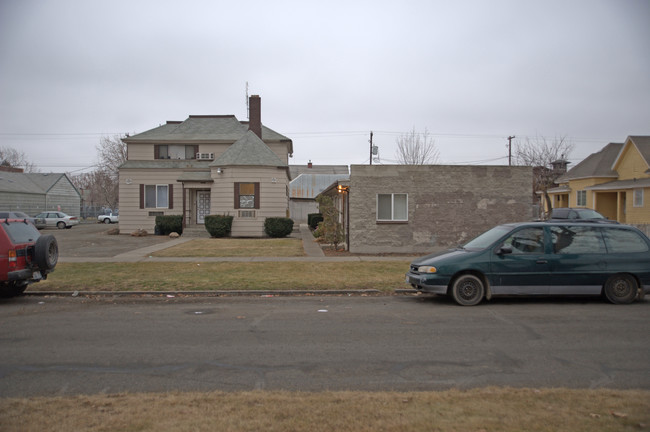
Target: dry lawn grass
174 276
488 409
232 247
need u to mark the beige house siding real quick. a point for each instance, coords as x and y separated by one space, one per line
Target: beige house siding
132 217
274 200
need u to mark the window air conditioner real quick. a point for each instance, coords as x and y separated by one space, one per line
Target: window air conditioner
205 156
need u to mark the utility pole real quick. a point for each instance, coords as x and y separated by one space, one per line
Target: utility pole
370 147
510 150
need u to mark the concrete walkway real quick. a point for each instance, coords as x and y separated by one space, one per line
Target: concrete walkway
313 253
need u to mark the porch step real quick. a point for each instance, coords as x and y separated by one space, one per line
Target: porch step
196 232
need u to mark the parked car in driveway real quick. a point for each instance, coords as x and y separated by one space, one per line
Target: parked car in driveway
38 222
26 256
578 215
58 219
540 258
109 217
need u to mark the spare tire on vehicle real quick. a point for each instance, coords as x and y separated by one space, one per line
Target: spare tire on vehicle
46 252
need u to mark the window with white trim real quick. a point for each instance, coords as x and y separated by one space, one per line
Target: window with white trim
392 207
638 197
156 196
581 198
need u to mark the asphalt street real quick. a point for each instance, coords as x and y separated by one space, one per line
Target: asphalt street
65 346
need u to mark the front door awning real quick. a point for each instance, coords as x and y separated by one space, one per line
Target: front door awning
195 176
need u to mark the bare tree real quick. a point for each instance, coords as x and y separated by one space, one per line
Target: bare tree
101 185
111 153
414 148
541 153
99 188
13 158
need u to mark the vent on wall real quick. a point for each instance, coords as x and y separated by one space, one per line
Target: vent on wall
205 156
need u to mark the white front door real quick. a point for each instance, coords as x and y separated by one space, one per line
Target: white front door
202 206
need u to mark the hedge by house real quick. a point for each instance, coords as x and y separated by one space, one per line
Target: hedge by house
166 225
278 226
218 225
313 219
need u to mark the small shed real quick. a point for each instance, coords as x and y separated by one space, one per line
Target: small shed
33 193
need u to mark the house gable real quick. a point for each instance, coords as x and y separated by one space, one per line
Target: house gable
632 161
249 150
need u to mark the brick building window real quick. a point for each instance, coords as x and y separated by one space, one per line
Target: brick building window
392 207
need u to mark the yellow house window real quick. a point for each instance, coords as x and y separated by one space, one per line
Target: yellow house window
581 198
638 197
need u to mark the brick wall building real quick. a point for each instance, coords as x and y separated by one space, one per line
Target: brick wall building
421 208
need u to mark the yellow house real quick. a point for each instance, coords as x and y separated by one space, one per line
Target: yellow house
614 181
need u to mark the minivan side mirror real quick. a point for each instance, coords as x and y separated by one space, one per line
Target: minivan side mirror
504 250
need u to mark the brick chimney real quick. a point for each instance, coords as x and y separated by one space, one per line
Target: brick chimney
255 115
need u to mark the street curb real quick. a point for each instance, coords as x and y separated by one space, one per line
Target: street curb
226 293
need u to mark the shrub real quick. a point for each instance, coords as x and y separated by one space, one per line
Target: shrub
169 224
218 225
313 219
278 226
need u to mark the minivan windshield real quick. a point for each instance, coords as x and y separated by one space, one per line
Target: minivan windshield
487 238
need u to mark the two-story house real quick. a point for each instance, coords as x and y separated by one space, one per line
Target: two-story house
614 181
206 165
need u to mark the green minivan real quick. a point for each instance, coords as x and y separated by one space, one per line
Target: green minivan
540 258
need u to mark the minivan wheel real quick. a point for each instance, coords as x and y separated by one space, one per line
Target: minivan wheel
46 252
621 289
468 290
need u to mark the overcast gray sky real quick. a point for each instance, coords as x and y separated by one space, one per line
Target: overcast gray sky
328 73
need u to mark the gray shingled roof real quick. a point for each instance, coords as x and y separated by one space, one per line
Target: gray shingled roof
36 183
166 163
595 165
249 150
209 128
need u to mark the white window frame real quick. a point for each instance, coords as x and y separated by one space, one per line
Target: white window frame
581 198
637 195
392 208
158 191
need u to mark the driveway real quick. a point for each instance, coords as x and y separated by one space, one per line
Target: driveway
91 240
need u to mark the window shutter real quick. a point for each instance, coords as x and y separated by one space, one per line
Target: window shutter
236 195
257 195
156 152
196 150
171 196
141 196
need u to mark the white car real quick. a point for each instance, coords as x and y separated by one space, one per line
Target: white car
109 218
58 219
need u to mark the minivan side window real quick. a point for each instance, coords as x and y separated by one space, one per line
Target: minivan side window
525 241
577 240
624 241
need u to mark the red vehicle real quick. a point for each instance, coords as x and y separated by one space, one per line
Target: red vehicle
26 256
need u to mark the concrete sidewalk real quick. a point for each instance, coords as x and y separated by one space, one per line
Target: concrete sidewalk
313 253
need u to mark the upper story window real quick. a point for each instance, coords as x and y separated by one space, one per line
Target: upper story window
164 151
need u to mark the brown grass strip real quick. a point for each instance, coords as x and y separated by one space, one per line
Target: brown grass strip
204 276
487 409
